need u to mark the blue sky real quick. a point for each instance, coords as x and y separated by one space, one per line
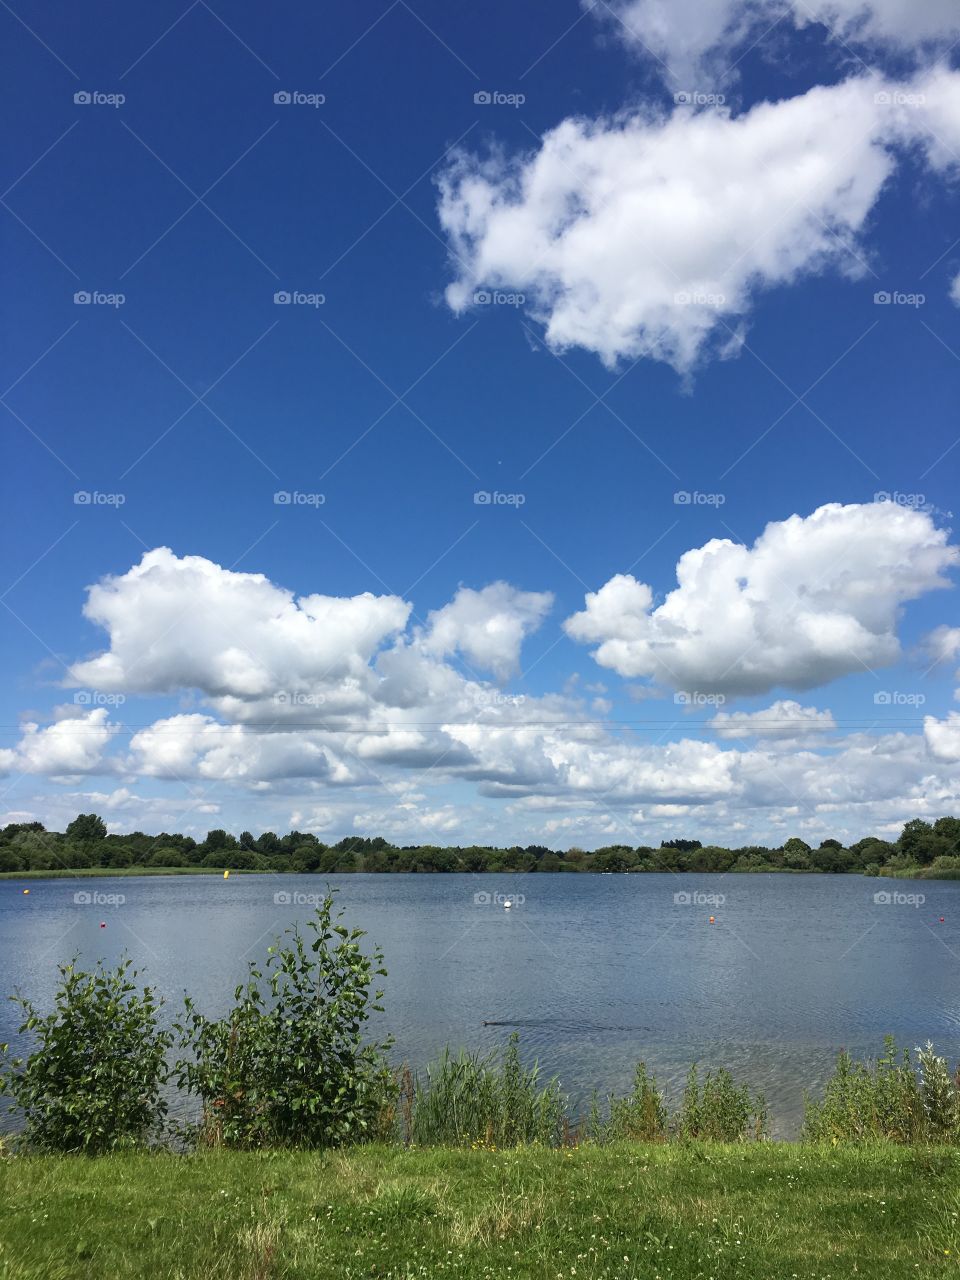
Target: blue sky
590 404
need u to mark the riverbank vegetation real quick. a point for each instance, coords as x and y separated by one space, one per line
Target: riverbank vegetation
922 850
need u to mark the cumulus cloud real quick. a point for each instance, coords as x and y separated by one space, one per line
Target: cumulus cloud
647 235
182 623
784 719
814 598
71 746
487 627
943 737
690 39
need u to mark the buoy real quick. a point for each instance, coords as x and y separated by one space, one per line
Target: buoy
103 924
712 921
941 918
226 875
507 905
26 891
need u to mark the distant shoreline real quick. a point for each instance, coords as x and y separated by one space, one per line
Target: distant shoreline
83 873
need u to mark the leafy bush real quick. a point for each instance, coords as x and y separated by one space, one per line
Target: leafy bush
287 1066
475 1100
639 1116
881 1099
719 1110
94 1081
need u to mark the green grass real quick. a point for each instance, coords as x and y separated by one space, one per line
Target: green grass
673 1212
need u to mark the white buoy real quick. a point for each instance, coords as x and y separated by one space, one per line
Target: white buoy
507 905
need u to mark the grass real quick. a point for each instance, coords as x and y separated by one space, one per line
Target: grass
674 1212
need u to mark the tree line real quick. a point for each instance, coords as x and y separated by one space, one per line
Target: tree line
922 849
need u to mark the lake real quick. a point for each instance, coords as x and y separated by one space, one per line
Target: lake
594 971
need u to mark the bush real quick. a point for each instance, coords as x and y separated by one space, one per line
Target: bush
719 1110
94 1081
287 1066
639 1116
476 1100
881 1099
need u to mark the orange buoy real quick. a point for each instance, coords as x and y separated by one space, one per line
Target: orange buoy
712 921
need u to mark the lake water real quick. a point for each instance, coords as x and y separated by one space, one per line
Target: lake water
594 971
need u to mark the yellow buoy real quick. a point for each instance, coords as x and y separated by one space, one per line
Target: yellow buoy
26 891
226 875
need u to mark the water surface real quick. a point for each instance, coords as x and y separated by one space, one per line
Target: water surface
594 971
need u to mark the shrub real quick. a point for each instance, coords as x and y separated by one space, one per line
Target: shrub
476 1100
881 1099
287 1066
719 1110
94 1081
639 1116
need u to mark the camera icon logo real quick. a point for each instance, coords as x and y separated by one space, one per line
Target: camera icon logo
882 898
282 898
282 98
482 899
882 698
282 298
482 298
882 298
82 98
82 298
883 99
83 898
482 98
681 498
282 498
682 899
82 498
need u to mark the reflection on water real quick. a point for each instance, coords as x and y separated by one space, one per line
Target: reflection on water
592 971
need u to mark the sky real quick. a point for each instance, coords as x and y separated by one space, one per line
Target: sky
482 423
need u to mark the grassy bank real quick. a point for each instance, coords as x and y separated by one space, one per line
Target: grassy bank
628 1211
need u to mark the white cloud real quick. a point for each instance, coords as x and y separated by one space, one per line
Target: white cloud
811 600
488 626
943 737
648 235
784 719
71 746
955 290
694 39
188 623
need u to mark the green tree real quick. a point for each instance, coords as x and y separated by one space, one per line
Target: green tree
86 826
